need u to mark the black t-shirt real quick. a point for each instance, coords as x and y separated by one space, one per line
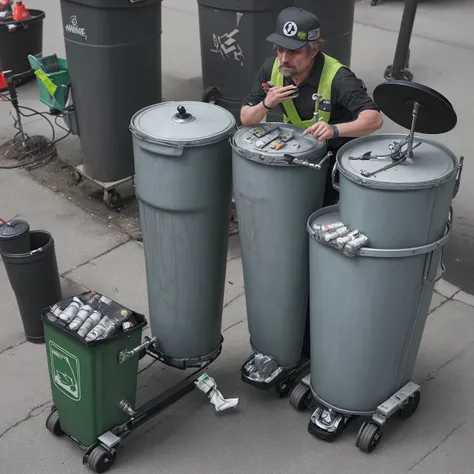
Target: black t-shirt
348 94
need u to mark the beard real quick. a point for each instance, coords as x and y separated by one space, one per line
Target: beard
287 71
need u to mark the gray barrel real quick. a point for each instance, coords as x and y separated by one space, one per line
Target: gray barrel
273 201
337 25
34 278
404 206
367 318
234 46
184 186
15 236
113 49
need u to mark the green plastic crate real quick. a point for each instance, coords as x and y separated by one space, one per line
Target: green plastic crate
87 381
52 77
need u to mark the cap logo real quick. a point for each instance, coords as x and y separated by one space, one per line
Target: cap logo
290 28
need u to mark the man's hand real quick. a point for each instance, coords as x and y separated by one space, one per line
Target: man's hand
277 94
320 130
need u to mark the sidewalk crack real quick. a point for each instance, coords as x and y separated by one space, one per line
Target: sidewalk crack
33 413
12 347
431 451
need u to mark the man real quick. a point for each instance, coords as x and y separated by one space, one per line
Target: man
301 70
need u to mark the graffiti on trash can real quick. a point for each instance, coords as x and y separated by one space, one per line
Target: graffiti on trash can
227 45
65 371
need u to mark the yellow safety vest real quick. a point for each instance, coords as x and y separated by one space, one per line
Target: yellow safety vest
330 68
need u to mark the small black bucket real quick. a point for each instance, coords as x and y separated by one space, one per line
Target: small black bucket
14 236
34 278
18 39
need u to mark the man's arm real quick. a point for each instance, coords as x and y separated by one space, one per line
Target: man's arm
351 93
257 104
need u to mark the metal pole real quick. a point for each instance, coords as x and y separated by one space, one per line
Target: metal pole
400 62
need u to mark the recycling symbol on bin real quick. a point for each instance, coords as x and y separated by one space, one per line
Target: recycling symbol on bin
290 28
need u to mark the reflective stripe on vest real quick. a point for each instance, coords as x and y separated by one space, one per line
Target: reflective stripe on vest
330 68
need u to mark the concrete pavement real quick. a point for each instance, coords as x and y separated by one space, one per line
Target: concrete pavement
264 434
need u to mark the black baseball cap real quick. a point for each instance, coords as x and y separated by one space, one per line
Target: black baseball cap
295 27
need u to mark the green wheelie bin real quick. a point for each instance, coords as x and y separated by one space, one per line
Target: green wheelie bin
90 382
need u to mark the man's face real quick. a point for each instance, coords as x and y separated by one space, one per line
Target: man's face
295 62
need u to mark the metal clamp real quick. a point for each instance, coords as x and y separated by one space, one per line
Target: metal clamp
335 185
127 354
292 160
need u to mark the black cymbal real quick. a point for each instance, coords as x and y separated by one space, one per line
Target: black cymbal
396 99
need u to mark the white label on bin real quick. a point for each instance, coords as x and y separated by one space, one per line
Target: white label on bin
72 27
65 370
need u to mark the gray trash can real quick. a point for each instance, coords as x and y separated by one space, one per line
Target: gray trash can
113 50
274 197
337 25
368 314
34 278
15 236
184 186
233 47
404 206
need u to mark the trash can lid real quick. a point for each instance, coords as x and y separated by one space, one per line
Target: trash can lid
283 139
432 162
12 229
183 123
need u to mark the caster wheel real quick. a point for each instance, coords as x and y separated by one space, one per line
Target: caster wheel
299 397
112 199
77 176
282 388
101 460
211 95
410 407
387 75
53 424
368 437
407 75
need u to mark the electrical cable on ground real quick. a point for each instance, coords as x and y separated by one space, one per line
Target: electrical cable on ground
47 148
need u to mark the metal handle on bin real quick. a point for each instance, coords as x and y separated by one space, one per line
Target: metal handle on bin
430 255
161 148
127 354
457 185
333 177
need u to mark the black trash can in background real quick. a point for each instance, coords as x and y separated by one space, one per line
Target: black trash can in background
18 39
15 236
113 49
234 46
34 278
337 25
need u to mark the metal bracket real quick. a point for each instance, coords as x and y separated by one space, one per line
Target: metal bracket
327 419
109 440
127 354
290 159
394 403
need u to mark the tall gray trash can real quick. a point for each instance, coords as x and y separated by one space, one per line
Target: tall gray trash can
337 25
274 197
233 47
184 185
113 50
370 297
368 315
